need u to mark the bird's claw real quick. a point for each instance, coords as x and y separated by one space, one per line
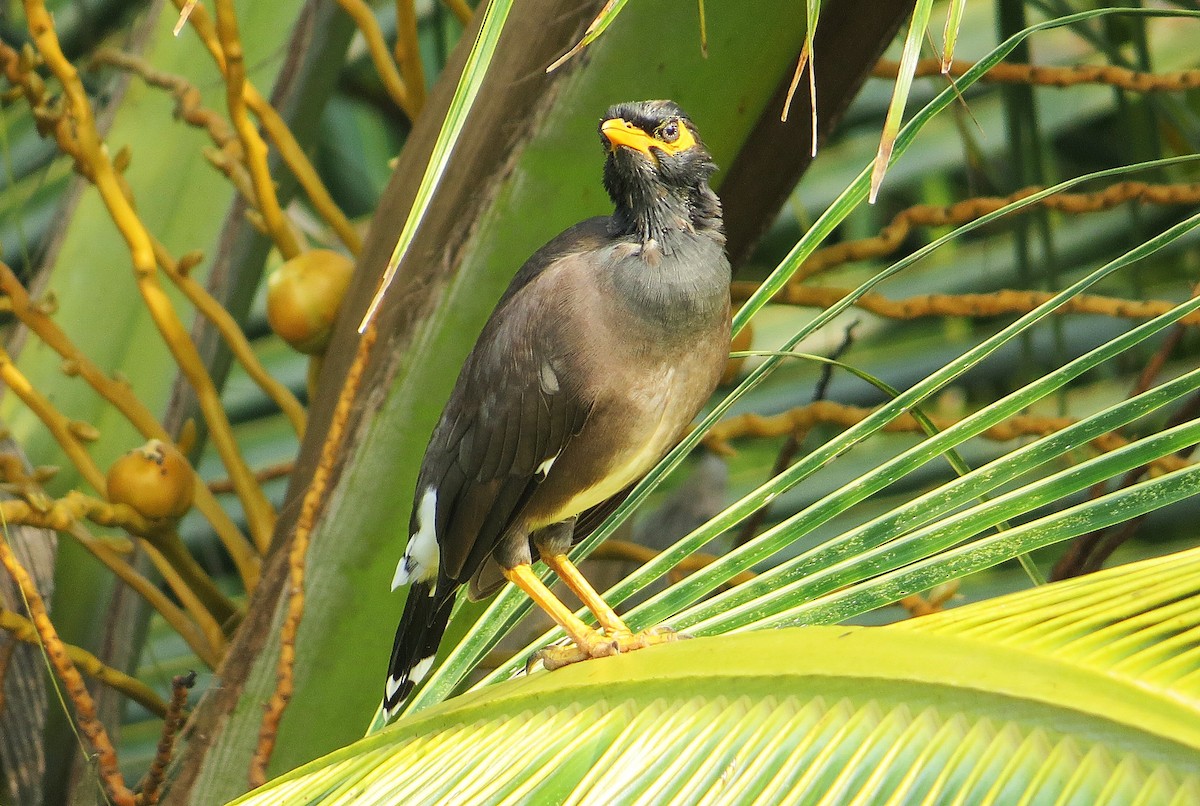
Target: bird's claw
601 645
556 657
660 635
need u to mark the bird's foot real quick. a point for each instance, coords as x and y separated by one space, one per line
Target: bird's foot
601 645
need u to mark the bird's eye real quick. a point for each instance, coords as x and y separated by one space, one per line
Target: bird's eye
669 133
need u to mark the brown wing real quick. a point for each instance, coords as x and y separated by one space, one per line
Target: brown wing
512 409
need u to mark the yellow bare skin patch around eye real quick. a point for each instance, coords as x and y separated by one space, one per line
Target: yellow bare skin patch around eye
620 132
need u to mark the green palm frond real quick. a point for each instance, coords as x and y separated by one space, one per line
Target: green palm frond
1137 622
1084 691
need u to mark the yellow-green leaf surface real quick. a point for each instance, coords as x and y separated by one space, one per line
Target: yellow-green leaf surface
1139 623
1080 692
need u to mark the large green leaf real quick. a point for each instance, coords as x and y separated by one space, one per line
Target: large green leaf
1079 692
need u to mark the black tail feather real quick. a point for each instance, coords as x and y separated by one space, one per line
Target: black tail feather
426 613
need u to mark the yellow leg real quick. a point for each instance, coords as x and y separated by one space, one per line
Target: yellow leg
587 639
589 642
573 579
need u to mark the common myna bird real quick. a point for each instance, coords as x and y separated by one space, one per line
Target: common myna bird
605 346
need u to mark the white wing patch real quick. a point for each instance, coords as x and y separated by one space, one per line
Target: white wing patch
545 466
421 558
548 379
421 669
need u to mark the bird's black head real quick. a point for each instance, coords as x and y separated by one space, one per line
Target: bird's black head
657 170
